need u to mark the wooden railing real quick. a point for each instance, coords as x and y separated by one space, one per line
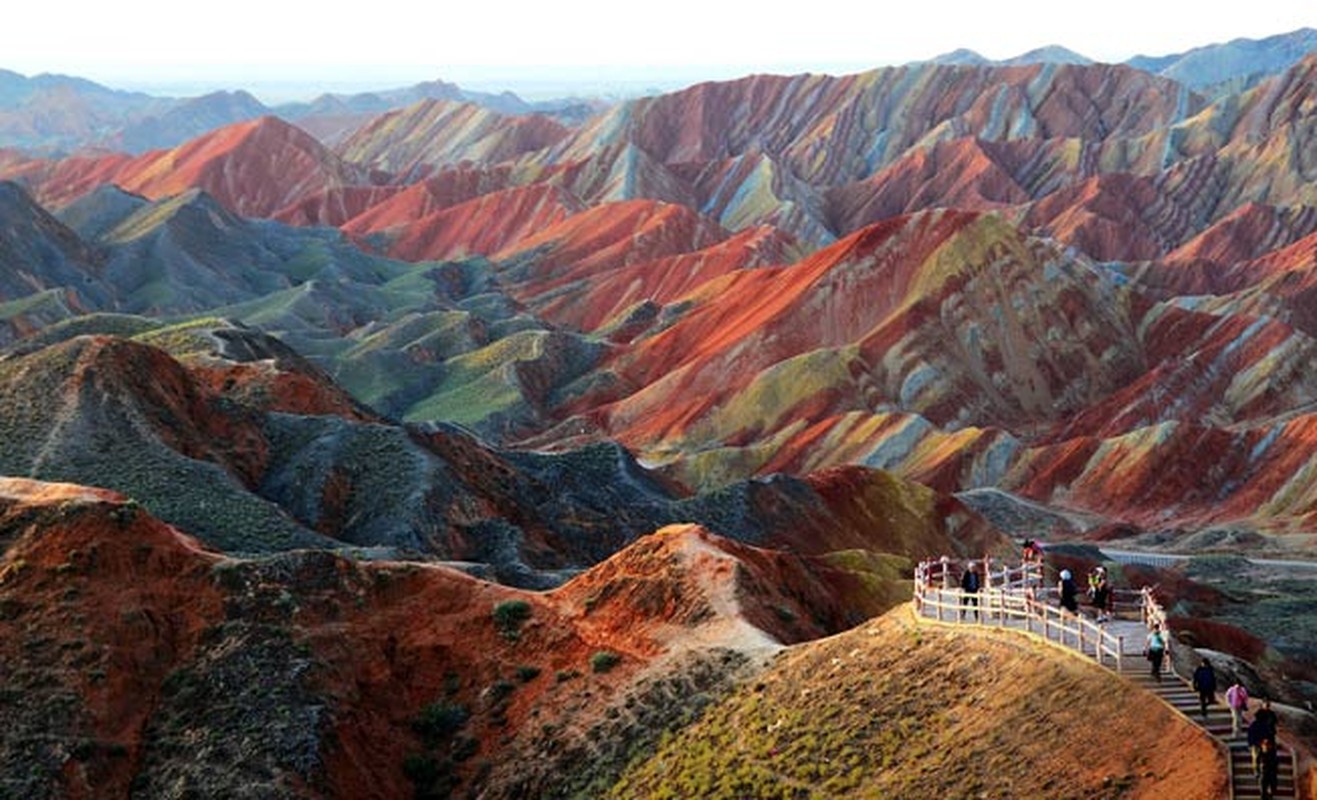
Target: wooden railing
1011 594
1153 613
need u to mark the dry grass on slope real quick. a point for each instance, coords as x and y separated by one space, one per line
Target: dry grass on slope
897 710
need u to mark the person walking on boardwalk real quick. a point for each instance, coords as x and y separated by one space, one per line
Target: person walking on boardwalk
1099 591
1262 727
1259 731
969 586
1237 702
1069 592
1268 718
1155 650
1205 685
1268 769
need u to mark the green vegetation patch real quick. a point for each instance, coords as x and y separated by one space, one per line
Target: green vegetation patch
181 340
604 661
440 720
509 616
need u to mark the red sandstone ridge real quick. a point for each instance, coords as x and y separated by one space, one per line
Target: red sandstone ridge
98 604
312 670
115 381
443 190
335 206
609 298
606 237
959 174
834 120
484 225
447 188
1249 232
684 585
254 168
55 182
1117 217
417 140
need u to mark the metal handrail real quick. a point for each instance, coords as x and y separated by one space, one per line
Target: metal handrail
1005 597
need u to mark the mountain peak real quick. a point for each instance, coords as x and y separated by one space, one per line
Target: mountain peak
1049 54
962 57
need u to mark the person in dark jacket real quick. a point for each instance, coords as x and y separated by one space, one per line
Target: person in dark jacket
1262 727
1205 685
1267 717
1069 592
1268 769
969 584
1099 590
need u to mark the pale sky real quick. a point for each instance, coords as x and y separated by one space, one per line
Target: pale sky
271 46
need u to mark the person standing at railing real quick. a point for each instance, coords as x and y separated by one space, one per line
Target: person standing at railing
1099 591
1069 592
969 586
1032 552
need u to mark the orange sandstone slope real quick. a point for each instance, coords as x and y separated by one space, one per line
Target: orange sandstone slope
483 225
603 238
144 661
445 189
628 300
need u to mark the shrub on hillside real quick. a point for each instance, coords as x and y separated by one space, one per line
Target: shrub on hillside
604 660
508 617
438 720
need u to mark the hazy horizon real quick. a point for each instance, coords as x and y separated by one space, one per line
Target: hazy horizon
583 47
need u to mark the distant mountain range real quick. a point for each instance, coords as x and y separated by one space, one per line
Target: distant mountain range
57 113
1228 64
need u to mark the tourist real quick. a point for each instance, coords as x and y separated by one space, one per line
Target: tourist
1268 718
969 587
1237 702
1268 769
1262 727
1069 592
1099 591
1155 650
1205 685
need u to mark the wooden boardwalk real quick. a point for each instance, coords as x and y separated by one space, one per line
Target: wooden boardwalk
1014 599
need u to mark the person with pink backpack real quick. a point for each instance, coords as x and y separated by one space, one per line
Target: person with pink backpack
1237 701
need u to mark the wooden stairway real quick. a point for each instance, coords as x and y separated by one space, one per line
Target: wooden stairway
1179 694
1118 642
